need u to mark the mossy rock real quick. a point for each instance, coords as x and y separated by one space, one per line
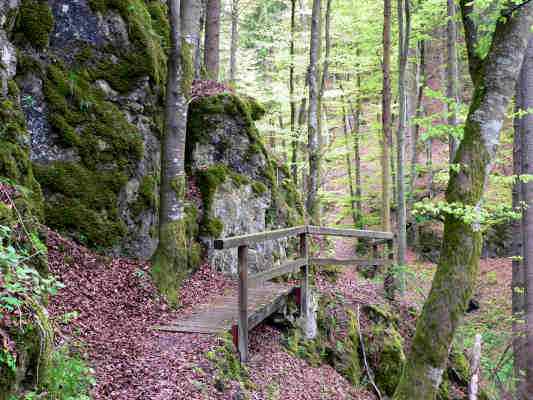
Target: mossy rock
148 31
35 22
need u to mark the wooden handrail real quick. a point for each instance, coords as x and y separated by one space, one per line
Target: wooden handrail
253 238
302 263
321 230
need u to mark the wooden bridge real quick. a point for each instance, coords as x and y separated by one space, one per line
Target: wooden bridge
258 298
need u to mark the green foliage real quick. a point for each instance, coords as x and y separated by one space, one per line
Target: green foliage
35 22
227 364
68 378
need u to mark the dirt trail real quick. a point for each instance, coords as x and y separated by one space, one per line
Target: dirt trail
117 306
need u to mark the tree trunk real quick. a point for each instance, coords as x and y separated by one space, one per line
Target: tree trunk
456 274
353 206
522 282
313 125
420 84
294 143
429 166
357 152
198 46
170 261
404 24
212 38
283 141
452 77
234 41
386 118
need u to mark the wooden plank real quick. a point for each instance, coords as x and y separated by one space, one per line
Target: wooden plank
243 302
267 310
259 237
348 261
319 230
288 267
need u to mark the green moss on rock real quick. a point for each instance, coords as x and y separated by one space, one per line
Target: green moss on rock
85 202
148 31
35 22
147 197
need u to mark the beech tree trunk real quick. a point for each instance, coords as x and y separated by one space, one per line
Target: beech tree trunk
234 41
357 152
212 38
294 134
494 81
420 85
386 118
170 261
404 23
313 124
522 282
452 76
353 205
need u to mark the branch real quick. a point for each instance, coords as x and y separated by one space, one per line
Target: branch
368 370
511 10
471 33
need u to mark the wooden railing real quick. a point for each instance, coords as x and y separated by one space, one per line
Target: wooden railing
300 264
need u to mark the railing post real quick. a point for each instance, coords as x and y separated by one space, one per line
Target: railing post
390 282
243 303
304 286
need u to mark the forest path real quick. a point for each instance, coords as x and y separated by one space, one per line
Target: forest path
113 307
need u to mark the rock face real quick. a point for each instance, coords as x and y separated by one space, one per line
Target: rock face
243 190
87 75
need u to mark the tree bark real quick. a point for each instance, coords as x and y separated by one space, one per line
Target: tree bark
170 261
420 85
404 24
452 77
313 125
353 206
357 153
234 41
294 144
456 274
212 38
386 118
522 281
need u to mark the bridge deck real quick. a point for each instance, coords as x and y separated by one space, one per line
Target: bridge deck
222 314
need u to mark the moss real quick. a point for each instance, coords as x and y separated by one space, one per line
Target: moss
387 347
35 22
177 255
259 188
212 227
149 57
15 162
187 67
239 179
147 196
85 202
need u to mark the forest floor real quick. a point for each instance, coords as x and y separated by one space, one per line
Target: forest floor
112 308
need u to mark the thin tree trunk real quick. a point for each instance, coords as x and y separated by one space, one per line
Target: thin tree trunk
357 152
302 117
198 46
283 141
294 144
234 41
170 261
455 277
429 166
353 206
522 281
313 125
404 23
212 39
420 84
386 118
452 77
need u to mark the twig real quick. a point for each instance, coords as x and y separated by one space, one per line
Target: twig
367 368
